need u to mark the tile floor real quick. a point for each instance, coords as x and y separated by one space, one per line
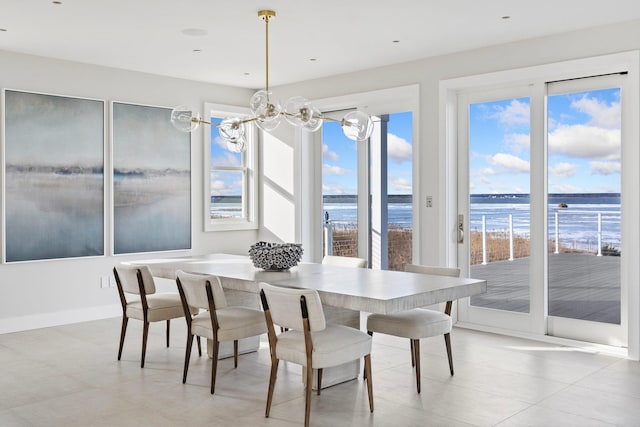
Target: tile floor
69 376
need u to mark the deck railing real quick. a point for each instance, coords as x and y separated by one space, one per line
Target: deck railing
556 241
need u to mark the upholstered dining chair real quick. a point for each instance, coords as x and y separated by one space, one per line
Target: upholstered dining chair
418 323
345 261
143 302
309 340
218 322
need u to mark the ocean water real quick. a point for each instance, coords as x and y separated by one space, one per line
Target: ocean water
577 222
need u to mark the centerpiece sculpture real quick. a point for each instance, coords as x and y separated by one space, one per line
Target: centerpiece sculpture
275 256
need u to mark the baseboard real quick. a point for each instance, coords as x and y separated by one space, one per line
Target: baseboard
57 318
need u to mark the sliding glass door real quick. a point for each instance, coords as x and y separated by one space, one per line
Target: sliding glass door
539 196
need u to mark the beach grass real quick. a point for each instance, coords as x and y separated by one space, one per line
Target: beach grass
345 243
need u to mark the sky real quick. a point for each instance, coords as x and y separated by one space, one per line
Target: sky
224 183
583 152
339 157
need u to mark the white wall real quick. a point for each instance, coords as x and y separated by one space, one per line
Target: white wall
43 293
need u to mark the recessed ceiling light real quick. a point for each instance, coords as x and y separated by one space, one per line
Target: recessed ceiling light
312 59
196 50
395 41
56 2
247 74
505 17
4 30
194 32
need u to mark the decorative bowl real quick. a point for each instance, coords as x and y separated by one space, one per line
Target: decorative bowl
275 256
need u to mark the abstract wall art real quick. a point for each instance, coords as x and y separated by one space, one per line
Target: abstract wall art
54 176
151 180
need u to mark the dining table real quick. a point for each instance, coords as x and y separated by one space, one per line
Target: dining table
345 292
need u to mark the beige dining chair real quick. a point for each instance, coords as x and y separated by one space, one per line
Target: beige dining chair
309 341
418 323
143 303
217 322
344 261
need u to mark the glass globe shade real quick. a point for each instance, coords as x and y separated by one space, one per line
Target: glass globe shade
237 146
185 119
357 125
231 129
266 108
300 112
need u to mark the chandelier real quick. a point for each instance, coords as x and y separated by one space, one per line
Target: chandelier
267 112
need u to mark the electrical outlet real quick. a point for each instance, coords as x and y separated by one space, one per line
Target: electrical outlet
429 201
112 282
104 281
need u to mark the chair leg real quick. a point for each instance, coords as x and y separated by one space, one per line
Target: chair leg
413 355
319 380
235 353
145 334
367 370
214 365
416 348
364 374
199 346
168 323
187 357
272 383
307 395
447 342
123 331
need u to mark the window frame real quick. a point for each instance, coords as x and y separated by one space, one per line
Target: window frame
249 221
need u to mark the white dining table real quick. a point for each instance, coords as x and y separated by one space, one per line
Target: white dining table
344 291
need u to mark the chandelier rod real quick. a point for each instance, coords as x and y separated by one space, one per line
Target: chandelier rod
266 15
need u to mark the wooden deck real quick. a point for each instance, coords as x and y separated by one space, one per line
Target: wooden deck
581 286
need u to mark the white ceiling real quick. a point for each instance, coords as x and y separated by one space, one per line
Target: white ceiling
342 35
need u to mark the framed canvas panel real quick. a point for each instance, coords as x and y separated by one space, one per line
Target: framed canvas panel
53 176
151 180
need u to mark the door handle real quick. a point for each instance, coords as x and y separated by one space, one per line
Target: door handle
460 228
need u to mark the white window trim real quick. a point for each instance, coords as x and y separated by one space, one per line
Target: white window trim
250 185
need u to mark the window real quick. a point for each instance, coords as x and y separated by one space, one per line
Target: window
230 189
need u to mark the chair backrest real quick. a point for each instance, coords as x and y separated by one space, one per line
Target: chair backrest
284 306
128 277
345 261
195 292
436 271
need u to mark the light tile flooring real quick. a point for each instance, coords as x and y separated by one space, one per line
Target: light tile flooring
69 376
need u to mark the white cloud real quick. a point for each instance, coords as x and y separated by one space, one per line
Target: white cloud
584 141
518 142
334 189
564 170
226 159
398 149
328 169
220 187
401 184
488 171
602 114
604 168
565 188
509 163
514 114
329 155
